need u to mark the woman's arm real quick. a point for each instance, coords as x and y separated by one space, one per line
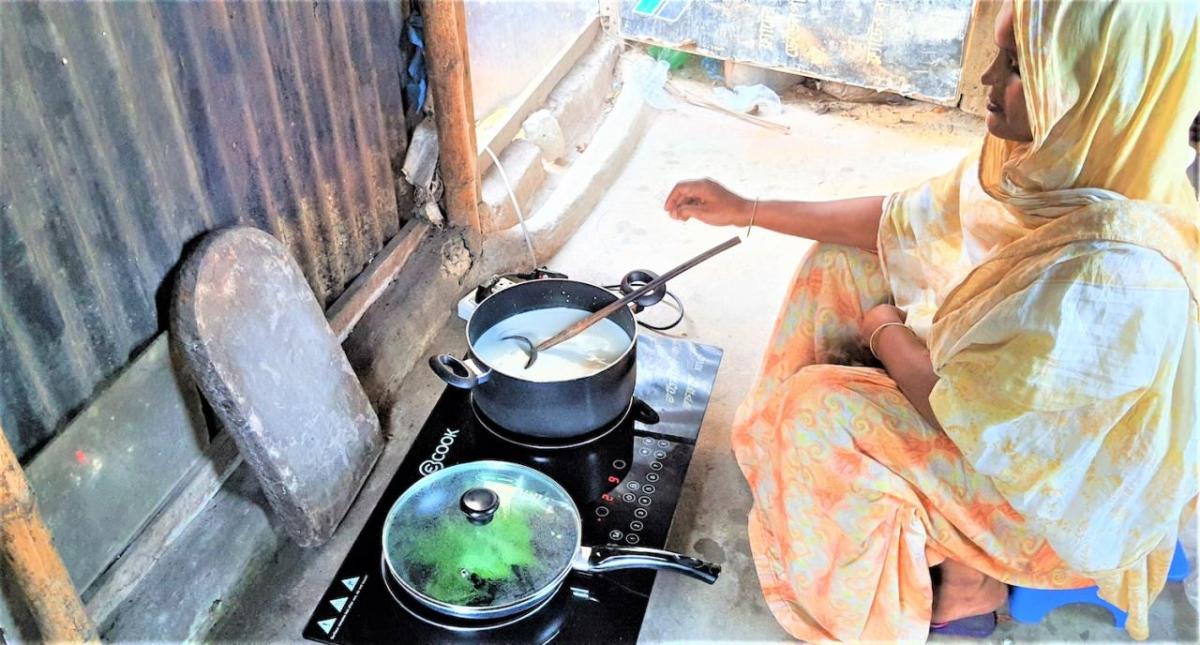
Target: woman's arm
906 360
852 222
904 356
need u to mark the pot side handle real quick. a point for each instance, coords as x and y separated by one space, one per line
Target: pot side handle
611 557
463 374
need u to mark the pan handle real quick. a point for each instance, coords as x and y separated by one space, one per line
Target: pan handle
644 413
611 557
463 374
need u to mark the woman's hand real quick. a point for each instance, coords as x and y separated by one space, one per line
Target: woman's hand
709 202
877 316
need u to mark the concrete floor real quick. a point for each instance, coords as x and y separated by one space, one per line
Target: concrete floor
834 150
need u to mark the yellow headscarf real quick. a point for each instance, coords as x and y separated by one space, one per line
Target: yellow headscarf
1111 89
1056 284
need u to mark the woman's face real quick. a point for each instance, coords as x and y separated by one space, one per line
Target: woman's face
1007 117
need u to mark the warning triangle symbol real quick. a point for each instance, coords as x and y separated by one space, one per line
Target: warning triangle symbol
326 624
338 603
351 583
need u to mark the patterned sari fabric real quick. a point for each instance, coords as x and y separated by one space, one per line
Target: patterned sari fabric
1055 283
856 496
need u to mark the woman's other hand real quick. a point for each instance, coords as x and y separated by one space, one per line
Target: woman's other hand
876 316
709 202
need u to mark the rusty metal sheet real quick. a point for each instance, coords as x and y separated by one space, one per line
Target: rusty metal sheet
130 129
912 47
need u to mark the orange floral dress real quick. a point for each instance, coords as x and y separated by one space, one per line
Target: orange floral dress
856 496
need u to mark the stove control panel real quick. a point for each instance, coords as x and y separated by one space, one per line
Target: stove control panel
639 508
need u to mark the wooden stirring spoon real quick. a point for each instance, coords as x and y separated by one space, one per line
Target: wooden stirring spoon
575 329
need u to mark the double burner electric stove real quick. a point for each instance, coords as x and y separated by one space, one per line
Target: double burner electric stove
625 478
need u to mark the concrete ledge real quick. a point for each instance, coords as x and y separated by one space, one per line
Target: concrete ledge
521 162
576 194
574 106
188 589
577 99
394 334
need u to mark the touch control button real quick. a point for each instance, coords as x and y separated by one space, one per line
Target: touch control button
640 513
633 484
649 489
602 511
644 501
658 454
619 464
629 497
615 534
635 526
632 538
652 477
656 465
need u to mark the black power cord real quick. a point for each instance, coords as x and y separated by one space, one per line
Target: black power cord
675 304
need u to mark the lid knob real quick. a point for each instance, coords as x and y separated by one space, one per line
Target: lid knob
479 505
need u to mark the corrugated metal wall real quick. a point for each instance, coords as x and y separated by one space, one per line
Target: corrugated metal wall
129 129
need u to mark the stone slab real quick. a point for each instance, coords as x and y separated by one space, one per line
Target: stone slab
264 356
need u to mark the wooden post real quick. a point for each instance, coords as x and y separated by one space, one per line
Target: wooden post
449 70
29 558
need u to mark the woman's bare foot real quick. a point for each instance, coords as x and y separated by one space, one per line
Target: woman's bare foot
965 592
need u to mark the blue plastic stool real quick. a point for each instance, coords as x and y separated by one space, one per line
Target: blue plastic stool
1032 605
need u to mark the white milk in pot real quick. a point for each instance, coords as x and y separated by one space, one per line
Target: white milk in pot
594 349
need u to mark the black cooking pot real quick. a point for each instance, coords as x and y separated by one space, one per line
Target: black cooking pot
556 409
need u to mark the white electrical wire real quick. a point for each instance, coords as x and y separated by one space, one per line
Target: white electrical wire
520 216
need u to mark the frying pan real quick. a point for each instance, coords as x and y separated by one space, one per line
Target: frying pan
488 539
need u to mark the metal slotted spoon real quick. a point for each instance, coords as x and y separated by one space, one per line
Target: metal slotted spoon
570 332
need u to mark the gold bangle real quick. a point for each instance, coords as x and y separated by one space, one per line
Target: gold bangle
875 334
753 214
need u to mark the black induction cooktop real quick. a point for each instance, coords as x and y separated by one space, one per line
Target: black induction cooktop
626 481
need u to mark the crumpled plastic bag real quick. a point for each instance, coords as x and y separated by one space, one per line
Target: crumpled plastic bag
749 99
649 79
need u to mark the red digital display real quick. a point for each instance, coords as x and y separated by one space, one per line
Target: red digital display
606 497
613 479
